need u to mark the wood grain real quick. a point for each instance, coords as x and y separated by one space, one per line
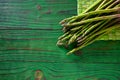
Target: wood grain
28 34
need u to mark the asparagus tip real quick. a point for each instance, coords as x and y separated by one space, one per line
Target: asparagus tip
62 22
70 52
59 43
118 15
64 25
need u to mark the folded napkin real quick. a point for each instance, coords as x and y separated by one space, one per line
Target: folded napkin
113 35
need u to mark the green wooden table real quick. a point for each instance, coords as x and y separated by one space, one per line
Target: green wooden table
28 34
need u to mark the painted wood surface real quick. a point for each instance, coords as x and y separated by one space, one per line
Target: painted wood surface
28 34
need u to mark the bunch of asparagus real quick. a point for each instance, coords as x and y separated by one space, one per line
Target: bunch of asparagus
82 30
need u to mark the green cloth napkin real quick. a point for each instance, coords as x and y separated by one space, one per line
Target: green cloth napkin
113 35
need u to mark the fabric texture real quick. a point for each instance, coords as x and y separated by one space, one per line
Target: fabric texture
113 35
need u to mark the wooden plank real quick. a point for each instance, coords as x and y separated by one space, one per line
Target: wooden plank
28 34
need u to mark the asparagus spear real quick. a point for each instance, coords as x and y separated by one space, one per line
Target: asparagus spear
93 7
92 20
102 4
97 12
109 4
99 7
